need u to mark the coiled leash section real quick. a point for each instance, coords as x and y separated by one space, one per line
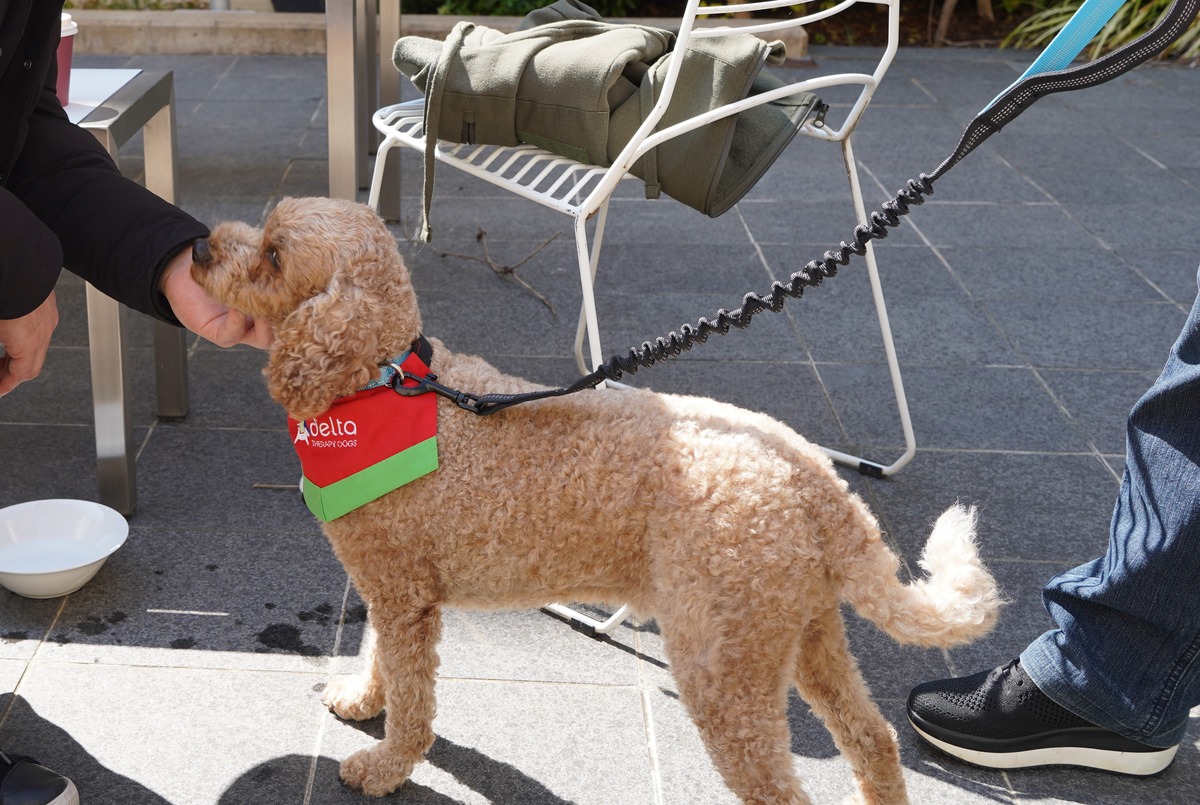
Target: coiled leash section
1048 74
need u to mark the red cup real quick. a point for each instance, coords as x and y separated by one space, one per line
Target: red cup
66 44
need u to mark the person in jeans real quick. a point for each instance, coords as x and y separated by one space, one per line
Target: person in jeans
63 202
1111 687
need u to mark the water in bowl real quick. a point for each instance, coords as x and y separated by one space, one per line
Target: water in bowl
45 556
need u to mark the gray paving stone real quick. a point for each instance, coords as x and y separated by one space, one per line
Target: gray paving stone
1032 506
1091 335
512 742
1099 401
1169 270
211 591
208 729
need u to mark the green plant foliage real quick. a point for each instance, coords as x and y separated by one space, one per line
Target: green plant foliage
1132 20
1015 7
519 8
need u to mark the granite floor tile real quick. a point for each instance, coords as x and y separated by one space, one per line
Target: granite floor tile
62 394
221 484
228 390
543 744
1171 271
1090 335
251 594
533 646
1084 273
209 729
1032 507
1099 402
971 408
1169 223
1031 226
64 457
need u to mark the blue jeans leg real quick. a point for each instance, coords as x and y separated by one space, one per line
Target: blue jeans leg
1126 653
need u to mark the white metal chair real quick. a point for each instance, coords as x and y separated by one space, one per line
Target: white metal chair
583 191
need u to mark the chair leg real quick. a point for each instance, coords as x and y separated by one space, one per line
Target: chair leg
591 624
889 348
589 258
377 175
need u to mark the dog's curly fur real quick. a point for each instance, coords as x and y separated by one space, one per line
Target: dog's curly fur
726 526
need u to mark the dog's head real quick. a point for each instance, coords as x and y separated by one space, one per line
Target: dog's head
325 274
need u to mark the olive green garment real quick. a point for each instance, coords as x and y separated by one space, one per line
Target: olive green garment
580 87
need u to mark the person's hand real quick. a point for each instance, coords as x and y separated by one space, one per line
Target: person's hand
202 314
26 341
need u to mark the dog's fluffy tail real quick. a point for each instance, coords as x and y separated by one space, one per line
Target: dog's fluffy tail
957 602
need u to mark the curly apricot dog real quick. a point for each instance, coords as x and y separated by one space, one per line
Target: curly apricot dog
730 529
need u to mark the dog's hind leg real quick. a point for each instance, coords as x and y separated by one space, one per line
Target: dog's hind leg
829 680
358 697
735 687
406 658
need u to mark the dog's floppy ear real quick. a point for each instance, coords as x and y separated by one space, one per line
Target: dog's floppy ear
321 351
335 341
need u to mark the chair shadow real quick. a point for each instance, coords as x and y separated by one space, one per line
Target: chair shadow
24 732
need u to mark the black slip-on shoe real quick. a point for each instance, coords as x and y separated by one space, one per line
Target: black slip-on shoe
1001 720
24 781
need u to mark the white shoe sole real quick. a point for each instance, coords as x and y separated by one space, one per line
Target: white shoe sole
68 797
1136 763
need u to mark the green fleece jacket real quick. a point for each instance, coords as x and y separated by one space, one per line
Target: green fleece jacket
575 85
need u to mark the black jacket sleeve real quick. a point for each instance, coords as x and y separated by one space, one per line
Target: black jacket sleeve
30 258
113 232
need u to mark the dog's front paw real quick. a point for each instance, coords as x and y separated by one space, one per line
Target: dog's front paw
375 771
354 698
858 798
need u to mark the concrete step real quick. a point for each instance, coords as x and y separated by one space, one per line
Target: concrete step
256 32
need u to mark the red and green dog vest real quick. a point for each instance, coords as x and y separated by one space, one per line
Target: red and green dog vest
367 444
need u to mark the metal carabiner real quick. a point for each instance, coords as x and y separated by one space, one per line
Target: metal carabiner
462 399
397 382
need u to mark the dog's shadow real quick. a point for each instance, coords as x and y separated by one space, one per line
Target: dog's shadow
493 780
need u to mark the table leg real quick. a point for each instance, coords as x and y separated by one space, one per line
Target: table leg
389 93
366 99
342 68
170 343
108 339
108 346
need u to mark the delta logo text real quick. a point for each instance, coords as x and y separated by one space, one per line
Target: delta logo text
331 432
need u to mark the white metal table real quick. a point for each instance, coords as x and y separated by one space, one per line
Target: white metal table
114 105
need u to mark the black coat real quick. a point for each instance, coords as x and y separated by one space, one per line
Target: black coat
63 203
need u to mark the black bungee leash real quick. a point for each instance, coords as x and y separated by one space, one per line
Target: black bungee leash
1047 75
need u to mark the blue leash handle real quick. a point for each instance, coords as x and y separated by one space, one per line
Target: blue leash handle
1068 43
1045 79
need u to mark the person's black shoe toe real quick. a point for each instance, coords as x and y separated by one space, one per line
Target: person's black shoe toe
24 781
1000 719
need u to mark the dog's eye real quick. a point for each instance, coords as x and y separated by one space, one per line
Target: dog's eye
273 257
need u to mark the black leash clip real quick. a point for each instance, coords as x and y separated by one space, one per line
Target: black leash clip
462 399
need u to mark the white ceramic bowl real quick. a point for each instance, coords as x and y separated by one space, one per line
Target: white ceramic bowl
50 548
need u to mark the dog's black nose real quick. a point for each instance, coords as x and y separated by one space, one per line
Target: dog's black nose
200 252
